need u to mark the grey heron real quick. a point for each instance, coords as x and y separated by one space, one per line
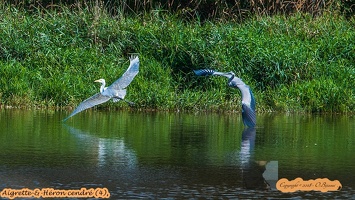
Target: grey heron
116 91
248 100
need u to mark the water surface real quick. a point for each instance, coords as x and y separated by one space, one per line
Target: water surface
175 155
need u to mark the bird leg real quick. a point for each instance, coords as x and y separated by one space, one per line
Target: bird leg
115 99
130 103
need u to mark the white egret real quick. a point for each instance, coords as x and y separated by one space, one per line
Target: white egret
116 91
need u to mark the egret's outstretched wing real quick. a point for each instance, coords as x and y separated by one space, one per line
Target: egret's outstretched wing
128 76
248 115
204 72
88 103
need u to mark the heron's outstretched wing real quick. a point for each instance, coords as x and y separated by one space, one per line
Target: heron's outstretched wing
128 76
204 72
211 72
88 103
248 115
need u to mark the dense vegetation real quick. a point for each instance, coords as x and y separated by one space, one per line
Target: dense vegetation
300 61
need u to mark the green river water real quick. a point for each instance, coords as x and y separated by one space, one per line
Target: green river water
160 155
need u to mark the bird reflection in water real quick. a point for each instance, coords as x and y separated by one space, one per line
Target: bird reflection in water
106 149
257 175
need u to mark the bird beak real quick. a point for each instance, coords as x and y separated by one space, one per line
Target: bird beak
98 81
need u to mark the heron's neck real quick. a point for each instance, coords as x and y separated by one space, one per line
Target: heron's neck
230 78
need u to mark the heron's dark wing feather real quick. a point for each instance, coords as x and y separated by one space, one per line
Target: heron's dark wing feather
204 72
88 103
128 76
248 115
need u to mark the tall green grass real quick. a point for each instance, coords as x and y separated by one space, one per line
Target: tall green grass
201 9
293 63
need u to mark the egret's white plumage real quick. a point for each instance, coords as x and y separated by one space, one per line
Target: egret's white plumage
248 101
116 91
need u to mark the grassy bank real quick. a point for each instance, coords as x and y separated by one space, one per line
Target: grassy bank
50 58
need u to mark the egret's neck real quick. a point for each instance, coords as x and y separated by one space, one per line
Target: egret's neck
102 88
